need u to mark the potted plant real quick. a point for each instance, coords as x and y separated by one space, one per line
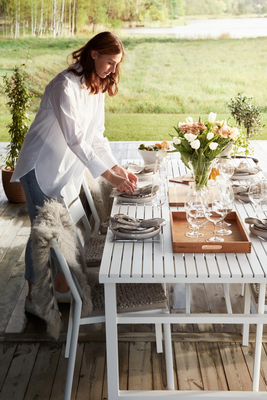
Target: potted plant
246 114
248 120
19 100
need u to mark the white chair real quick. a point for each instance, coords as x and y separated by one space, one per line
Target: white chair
74 206
75 319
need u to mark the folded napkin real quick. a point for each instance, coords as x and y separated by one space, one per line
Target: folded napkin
247 170
240 189
124 222
143 191
138 169
258 223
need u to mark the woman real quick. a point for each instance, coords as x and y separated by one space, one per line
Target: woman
67 135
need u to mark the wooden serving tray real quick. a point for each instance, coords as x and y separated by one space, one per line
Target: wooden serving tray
237 242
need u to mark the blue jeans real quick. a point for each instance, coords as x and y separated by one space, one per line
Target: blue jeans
34 197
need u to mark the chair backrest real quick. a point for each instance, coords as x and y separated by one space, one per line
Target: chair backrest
74 205
75 288
92 206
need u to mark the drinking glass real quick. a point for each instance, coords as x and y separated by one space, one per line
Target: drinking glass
226 168
215 211
256 193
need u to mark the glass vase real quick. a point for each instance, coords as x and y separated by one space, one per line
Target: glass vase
201 173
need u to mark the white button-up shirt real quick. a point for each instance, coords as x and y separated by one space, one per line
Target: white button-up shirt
65 137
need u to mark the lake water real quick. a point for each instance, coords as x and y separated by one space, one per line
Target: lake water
212 28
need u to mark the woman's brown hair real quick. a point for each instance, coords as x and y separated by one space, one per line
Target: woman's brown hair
103 43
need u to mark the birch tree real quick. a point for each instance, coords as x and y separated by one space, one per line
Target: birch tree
40 30
54 18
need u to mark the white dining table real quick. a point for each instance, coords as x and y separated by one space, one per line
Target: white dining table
153 261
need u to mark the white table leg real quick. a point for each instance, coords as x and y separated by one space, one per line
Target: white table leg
245 330
168 355
258 341
112 341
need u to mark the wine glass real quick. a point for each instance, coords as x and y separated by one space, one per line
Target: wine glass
215 211
194 199
196 218
160 188
226 168
255 193
228 197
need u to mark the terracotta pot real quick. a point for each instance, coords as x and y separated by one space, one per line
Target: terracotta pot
13 190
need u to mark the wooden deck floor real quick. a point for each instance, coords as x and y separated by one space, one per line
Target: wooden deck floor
32 366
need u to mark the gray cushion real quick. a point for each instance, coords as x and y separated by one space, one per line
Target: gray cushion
132 296
94 250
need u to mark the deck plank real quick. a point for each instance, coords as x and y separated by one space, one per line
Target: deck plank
92 372
41 381
61 372
188 369
140 366
20 371
7 351
235 367
211 366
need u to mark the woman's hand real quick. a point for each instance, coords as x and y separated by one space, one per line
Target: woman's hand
125 174
119 182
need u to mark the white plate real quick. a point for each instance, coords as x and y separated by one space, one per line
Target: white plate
136 200
145 176
258 232
242 177
137 236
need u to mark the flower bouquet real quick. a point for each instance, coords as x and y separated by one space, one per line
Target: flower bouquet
199 143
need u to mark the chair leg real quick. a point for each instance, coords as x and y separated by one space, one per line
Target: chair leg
168 355
69 332
187 298
158 331
73 350
245 330
258 340
242 289
227 298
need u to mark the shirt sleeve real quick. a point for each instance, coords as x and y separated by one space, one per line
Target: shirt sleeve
63 102
100 143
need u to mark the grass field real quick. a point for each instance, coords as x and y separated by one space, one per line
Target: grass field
164 80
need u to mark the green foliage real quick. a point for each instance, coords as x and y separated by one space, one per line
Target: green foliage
19 99
246 114
242 145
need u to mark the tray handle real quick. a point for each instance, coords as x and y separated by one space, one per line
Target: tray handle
212 247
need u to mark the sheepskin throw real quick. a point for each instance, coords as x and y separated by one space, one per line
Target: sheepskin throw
53 221
100 190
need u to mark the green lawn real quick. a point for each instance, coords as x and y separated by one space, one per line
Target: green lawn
138 126
163 80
